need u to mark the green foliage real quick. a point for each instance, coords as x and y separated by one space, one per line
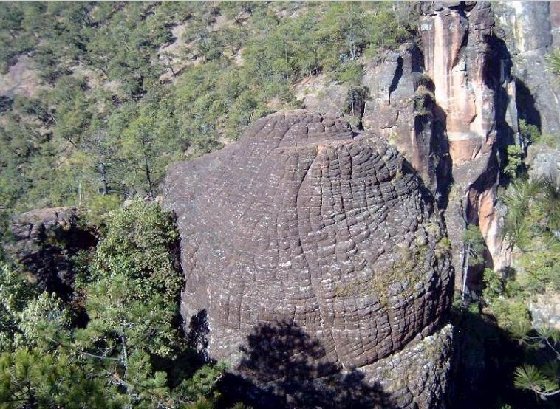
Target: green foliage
529 133
35 366
512 315
542 380
108 123
530 377
474 244
350 73
133 287
130 353
16 36
531 224
44 323
47 380
14 295
493 285
138 245
114 108
99 207
553 60
131 298
514 161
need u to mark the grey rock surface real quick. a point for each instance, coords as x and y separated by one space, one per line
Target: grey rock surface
544 163
304 221
530 31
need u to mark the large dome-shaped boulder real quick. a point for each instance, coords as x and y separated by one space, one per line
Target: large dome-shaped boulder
303 221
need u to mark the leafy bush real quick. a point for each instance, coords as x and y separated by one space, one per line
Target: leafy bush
131 352
514 161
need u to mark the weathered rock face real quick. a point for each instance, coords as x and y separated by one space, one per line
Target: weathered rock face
391 112
304 221
452 103
444 105
455 42
545 311
318 94
530 30
463 59
44 241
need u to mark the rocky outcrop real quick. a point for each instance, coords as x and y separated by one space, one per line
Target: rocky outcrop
545 311
530 31
463 59
423 367
444 106
400 109
318 94
544 163
306 222
451 103
20 79
43 242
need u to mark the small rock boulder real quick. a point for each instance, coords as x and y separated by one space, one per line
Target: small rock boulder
43 243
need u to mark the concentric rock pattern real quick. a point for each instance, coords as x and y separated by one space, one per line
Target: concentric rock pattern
302 220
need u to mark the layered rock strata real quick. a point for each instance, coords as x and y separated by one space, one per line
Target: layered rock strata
304 221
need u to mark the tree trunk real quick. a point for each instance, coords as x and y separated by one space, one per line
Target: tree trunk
148 177
465 272
104 183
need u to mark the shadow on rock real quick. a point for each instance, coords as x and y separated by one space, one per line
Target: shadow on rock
483 365
283 367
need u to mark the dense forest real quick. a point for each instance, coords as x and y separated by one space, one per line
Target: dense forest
125 89
118 91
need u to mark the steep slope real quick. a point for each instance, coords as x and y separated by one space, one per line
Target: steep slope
442 104
453 103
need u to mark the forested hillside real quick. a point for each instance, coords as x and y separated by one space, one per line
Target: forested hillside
121 90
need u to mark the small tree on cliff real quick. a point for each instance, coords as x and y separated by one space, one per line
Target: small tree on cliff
543 381
38 367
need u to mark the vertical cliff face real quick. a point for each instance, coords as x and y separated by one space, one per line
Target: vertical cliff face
452 104
457 45
456 49
481 67
530 31
444 105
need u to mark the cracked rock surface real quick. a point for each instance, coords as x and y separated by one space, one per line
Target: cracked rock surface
304 221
